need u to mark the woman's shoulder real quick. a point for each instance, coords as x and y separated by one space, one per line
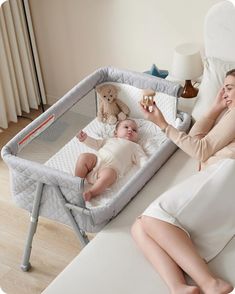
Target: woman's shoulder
229 113
228 118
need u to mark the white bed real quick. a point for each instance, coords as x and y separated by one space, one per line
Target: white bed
111 262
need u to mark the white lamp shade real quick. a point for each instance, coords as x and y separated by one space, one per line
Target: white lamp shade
187 62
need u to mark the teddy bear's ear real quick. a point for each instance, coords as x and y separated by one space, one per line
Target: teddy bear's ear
118 89
114 88
99 88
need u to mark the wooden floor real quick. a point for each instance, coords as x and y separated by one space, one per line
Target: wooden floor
54 245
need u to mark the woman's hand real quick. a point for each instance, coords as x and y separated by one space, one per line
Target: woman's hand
81 136
155 116
220 102
218 106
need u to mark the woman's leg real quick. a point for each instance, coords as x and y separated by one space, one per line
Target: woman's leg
106 177
180 248
162 262
84 164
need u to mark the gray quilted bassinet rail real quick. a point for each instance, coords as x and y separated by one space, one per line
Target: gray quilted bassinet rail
37 186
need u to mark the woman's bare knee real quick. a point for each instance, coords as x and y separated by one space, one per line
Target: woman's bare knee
136 229
151 225
147 221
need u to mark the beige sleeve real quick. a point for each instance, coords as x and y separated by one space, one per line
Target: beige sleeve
202 148
139 157
202 127
94 143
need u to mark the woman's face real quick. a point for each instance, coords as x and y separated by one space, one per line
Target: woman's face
229 91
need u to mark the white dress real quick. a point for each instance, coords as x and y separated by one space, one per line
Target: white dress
203 206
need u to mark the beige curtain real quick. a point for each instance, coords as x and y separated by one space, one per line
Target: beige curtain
21 86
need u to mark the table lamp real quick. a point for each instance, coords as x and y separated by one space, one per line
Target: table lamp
187 65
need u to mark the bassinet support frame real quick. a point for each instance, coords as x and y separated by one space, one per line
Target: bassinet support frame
82 236
26 265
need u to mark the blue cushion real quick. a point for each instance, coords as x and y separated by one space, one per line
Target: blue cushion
155 71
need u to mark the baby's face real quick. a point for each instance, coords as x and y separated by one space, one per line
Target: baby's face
128 130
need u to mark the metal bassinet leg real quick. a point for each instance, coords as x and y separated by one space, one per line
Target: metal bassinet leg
80 233
25 266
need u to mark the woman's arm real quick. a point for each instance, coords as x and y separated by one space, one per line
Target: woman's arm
202 148
218 106
204 125
199 147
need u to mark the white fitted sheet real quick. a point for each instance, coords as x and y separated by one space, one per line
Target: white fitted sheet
64 160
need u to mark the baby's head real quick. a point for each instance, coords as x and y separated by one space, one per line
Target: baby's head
127 129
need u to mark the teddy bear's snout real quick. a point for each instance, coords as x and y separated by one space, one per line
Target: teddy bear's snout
110 99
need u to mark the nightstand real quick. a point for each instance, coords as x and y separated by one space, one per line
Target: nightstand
184 104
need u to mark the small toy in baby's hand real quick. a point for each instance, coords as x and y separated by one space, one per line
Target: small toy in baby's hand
148 99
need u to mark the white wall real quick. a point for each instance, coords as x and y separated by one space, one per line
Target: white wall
75 37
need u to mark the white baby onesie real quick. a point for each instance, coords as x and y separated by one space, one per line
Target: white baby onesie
117 153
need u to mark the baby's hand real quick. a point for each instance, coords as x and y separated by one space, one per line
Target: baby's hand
81 136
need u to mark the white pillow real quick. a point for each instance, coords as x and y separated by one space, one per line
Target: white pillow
132 95
213 77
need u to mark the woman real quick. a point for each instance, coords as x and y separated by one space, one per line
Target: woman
169 230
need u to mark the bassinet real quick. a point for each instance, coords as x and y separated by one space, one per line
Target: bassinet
44 190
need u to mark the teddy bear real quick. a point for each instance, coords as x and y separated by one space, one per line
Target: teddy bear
110 108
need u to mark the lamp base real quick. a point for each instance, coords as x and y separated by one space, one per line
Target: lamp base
189 91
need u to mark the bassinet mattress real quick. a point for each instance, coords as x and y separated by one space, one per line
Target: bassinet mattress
65 159
58 171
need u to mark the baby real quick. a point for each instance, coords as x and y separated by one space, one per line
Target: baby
114 158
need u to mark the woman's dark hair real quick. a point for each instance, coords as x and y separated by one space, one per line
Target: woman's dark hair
231 73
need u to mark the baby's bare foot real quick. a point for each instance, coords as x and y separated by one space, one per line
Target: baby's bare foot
219 286
185 289
87 195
